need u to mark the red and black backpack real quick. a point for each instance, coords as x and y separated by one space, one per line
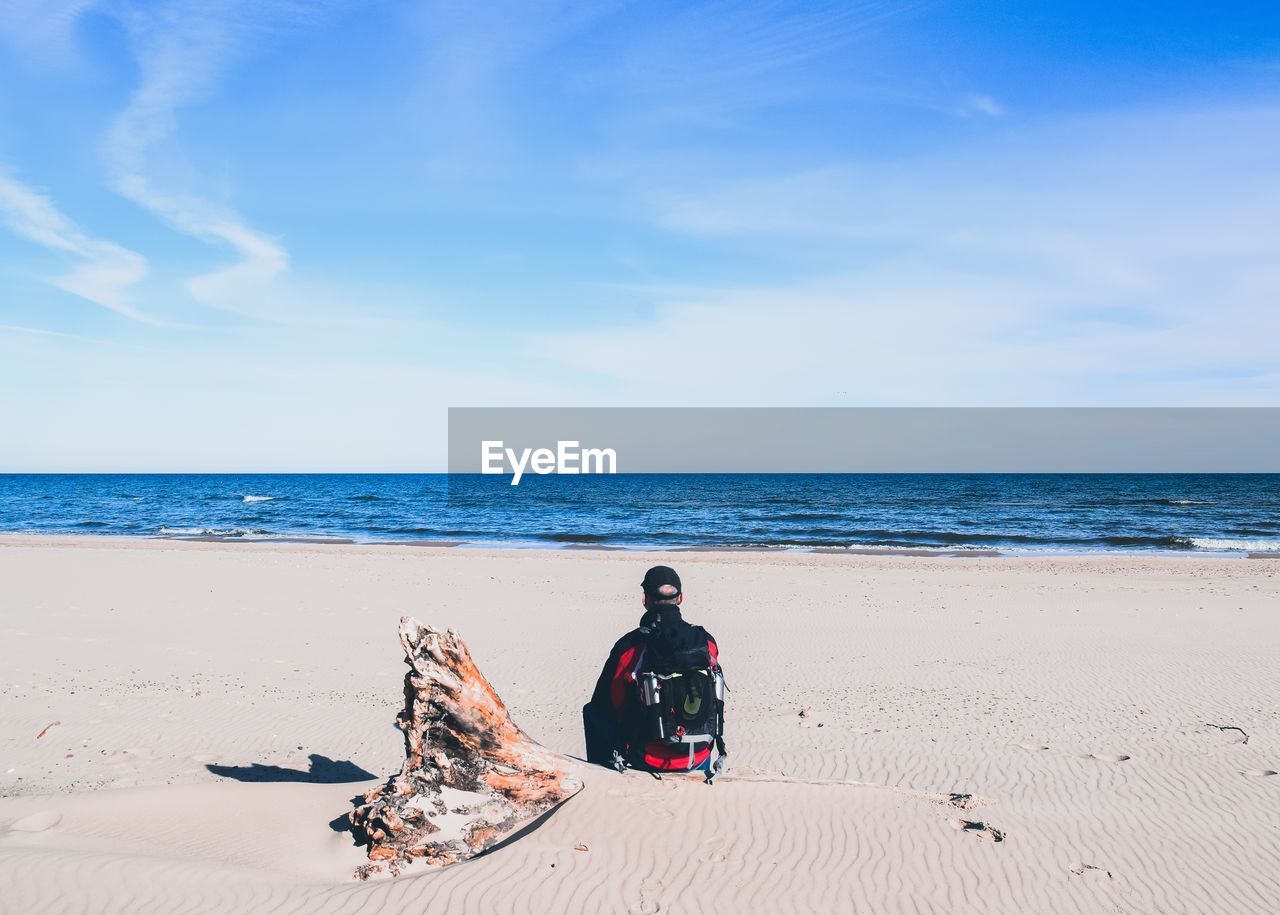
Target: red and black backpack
680 707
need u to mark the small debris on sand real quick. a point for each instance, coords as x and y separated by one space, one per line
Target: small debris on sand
979 828
1229 727
1079 868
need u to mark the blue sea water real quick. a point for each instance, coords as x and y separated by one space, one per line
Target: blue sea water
1009 513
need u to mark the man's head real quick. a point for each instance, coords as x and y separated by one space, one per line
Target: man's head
661 586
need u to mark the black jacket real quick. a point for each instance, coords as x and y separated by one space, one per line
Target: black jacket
662 632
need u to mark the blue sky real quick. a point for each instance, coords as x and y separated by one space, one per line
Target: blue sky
287 235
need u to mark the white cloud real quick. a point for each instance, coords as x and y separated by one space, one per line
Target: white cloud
182 51
977 104
1127 259
706 62
42 30
922 335
104 270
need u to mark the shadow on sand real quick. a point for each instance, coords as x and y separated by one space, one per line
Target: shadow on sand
322 771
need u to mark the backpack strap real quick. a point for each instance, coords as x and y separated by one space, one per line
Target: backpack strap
718 766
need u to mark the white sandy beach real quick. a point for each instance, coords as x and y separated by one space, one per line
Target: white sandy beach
1077 701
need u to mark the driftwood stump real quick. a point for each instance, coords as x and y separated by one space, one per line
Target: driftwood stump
470 779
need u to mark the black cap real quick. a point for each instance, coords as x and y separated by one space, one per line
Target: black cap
661 583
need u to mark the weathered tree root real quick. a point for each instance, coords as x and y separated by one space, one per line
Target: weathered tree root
470 777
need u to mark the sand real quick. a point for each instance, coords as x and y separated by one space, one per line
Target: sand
208 710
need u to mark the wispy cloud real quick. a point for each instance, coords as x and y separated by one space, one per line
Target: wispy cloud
913 333
104 269
1134 263
182 51
976 104
42 30
713 62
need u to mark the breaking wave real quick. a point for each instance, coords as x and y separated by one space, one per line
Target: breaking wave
1223 544
229 533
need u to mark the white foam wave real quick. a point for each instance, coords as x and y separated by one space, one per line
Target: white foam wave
209 532
259 498
1226 544
1190 502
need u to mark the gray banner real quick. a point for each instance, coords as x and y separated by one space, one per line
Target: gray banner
869 440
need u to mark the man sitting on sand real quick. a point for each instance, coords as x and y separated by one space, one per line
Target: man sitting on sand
658 704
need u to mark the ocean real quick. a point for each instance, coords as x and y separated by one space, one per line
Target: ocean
1009 513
